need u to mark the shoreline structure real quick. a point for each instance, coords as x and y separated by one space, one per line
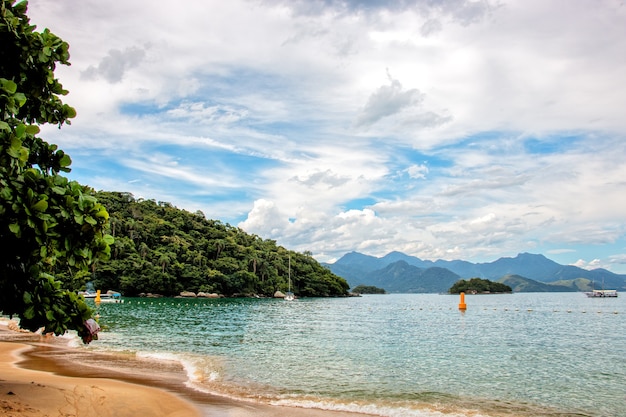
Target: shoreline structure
40 377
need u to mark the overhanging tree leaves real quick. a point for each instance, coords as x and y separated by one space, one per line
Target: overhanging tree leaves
46 221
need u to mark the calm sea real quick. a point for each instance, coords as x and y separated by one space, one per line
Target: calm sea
532 354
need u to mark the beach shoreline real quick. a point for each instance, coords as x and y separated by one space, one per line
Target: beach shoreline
34 393
39 378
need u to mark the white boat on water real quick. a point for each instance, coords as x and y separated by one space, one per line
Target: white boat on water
89 294
114 297
601 293
108 297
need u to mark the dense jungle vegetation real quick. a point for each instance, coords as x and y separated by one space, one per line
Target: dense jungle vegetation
161 249
478 286
368 289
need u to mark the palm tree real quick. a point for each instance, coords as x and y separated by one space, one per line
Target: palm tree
143 250
165 258
220 244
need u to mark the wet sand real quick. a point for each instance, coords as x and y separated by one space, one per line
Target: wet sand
41 377
30 393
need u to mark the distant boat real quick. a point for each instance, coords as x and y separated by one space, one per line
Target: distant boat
601 293
108 297
289 296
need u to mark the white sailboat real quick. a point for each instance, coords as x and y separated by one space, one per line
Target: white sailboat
289 296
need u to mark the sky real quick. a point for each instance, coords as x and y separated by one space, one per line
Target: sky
443 129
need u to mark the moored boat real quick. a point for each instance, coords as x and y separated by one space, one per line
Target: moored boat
601 293
112 297
89 294
108 297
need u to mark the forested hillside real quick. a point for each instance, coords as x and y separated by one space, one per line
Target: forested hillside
161 249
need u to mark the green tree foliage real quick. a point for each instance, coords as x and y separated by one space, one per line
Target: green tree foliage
368 289
162 249
478 285
48 224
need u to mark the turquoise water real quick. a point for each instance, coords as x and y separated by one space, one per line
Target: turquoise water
391 355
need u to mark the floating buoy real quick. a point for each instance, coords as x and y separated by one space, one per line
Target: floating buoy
462 305
97 300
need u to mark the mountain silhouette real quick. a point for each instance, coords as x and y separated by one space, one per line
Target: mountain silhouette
401 273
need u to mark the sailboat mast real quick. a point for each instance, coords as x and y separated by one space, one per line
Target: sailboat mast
289 296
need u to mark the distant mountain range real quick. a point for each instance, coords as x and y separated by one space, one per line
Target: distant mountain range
397 272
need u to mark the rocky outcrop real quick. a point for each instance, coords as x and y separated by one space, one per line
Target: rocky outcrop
188 294
279 294
208 295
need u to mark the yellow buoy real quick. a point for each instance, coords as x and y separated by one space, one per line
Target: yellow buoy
97 300
462 305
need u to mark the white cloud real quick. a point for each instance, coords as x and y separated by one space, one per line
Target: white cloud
206 114
265 219
593 264
417 171
113 66
453 129
388 100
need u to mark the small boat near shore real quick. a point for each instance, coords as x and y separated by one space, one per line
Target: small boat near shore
89 294
601 293
113 297
108 297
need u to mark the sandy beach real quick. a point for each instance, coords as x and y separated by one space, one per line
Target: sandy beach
35 383
30 393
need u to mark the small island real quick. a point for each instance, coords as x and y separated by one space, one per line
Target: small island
479 286
368 289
